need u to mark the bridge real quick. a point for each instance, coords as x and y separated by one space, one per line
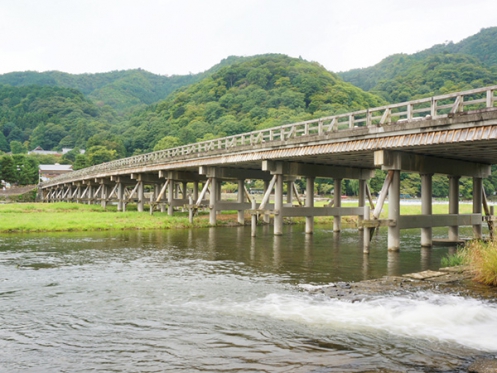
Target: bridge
453 135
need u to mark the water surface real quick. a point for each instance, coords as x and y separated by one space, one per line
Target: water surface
217 300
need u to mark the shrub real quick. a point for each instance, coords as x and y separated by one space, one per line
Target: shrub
482 259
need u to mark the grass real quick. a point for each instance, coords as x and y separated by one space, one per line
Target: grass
453 260
482 259
58 217
61 216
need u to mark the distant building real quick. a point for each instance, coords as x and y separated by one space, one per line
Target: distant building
49 171
39 150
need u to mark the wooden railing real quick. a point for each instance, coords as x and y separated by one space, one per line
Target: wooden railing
425 108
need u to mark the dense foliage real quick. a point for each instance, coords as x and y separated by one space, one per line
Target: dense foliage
124 91
256 93
50 117
443 68
19 169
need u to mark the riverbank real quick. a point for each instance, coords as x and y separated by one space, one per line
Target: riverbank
63 216
453 280
69 217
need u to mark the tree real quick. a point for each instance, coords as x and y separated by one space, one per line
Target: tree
71 155
81 161
100 154
4 145
18 148
8 169
167 142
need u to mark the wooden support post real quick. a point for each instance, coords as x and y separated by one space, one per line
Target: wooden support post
289 192
394 212
362 199
195 190
190 209
477 205
267 187
296 194
103 196
454 205
90 194
370 197
185 190
366 232
213 200
426 208
140 196
253 219
309 202
120 196
488 213
278 205
337 200
170 197
241 199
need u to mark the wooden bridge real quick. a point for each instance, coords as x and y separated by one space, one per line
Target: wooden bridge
453 134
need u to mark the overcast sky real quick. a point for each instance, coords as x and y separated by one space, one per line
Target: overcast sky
189 36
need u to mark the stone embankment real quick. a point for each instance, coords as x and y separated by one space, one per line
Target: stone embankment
454 280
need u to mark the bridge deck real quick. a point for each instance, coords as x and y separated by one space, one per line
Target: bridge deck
452 128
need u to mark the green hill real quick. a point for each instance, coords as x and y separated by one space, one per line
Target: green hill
50 117
254 93
442 68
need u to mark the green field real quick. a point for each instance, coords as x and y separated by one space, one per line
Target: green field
58 217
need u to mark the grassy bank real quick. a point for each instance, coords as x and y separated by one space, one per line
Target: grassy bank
481 257
58 217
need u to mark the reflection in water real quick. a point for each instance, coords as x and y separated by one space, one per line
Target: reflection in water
425 258
217 299
393 263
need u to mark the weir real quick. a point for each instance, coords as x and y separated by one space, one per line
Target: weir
453 135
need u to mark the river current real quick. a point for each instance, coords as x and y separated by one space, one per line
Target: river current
218 300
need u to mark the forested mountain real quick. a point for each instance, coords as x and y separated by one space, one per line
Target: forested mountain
121 113
442 68
124 91
255 93
50 117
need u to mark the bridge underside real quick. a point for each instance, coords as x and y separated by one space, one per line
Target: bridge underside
460 145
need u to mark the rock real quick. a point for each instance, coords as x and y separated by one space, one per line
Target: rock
456 280
483 366
424 275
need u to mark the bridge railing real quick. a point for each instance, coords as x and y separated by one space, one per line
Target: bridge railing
426 108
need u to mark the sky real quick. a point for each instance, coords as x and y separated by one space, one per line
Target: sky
177 37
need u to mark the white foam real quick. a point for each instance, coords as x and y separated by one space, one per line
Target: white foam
468 322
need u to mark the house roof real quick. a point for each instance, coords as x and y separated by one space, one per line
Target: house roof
55 167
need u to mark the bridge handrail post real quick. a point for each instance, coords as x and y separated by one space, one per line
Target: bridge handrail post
490 98
409 111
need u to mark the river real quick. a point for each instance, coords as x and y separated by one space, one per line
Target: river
217 300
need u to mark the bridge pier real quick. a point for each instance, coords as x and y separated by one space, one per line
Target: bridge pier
309 202
337 202
426 166
241 198
394 212
426 207
477 205
213 200
278 205
309 211
454 205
